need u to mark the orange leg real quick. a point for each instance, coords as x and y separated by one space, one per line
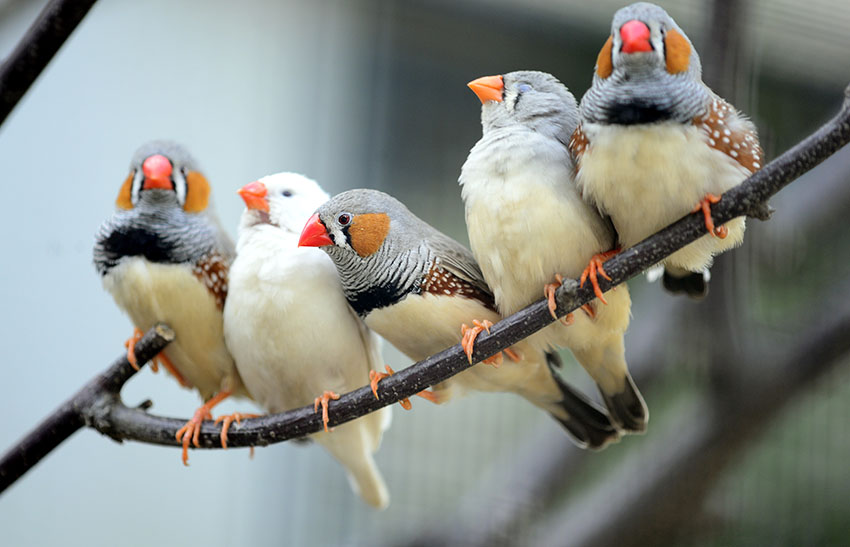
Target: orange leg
192 429
705 206
588 309
595 268
159 359
549 292
163 360
375 377
228 419
323 400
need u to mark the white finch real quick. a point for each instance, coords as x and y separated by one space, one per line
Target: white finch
291 331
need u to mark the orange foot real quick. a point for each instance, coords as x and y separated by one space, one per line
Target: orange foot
323 400
375 377
549 292
595 268
159 359
705 206
192 430
229 419
468 343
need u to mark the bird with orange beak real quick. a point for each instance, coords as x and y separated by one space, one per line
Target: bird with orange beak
164 257
528 226
655 143
416 287
288 325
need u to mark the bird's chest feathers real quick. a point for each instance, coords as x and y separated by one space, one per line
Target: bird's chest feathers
423 324
152 292
526 227
648 176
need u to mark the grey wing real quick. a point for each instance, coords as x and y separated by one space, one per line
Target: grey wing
458 260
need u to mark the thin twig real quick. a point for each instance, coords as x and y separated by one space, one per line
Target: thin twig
43 39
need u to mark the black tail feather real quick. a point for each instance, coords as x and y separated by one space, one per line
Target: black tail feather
588 425
691 284
627 408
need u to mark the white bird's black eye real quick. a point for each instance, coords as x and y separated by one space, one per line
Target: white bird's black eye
287 193
344 219
522 88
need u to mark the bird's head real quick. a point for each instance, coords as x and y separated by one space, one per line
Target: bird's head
164 174
284 200
646 43
527 98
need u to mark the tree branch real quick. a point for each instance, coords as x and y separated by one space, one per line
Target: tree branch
43 39
79 409
108 415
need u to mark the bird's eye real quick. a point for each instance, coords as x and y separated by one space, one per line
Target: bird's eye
287 193
344 219
522 88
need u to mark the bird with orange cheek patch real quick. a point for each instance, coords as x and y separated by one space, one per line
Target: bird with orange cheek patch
295 339
164 257
655 143
416 286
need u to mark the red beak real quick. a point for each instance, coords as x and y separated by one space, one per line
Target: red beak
314 234
635 35
157 171
488 88
254 194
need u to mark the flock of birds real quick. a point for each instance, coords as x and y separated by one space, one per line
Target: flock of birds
291 315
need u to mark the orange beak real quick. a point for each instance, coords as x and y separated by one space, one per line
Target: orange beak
635 35
314 234
157 171
488 88
254 195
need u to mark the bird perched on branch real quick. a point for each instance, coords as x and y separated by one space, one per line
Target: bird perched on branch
163 256
416 287
655 143
528 226
291 330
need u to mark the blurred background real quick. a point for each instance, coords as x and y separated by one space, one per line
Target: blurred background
749 391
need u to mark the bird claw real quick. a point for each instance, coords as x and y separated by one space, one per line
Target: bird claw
595 269
549 293
323 400
375 377
228 419
468 341
705 206
192 430
159 359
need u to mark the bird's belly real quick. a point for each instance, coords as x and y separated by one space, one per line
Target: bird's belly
170 293
650 176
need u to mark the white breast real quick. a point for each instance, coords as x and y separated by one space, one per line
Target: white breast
526 220
150 292
648 176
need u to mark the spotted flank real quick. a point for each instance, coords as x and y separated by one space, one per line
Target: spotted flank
578 143
728 133
443 282
212 271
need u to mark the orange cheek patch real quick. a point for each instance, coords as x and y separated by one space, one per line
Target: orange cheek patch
368 232
125 200
604 66
197 192
678 52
